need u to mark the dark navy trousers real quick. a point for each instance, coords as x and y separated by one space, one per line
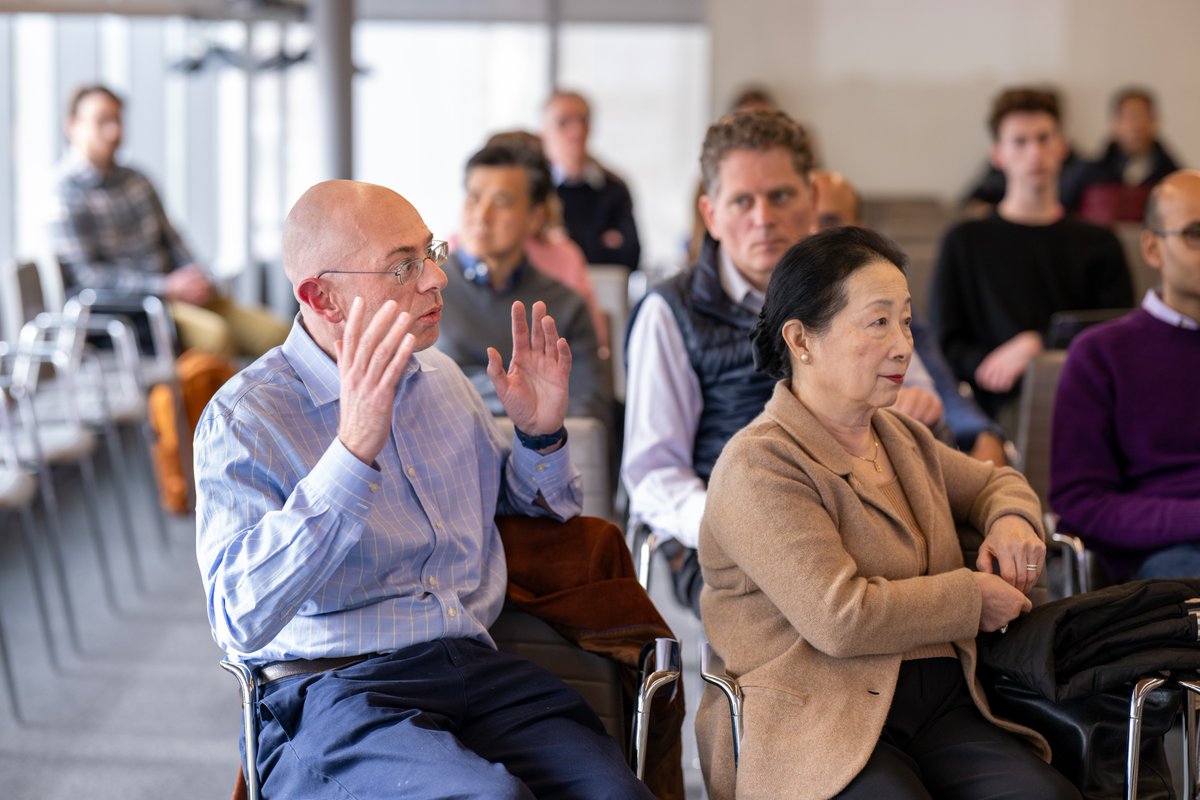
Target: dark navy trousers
451 718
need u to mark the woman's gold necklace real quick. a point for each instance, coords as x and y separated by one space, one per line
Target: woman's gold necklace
874 459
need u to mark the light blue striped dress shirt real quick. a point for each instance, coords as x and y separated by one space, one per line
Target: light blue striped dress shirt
306 552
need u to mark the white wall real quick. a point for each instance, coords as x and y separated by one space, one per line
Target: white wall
898 90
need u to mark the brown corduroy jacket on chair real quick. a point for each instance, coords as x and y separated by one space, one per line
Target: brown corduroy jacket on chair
812 593
579 577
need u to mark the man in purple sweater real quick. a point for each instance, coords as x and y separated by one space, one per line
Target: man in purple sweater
1125 453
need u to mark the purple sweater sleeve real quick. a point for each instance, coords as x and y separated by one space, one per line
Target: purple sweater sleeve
1087 487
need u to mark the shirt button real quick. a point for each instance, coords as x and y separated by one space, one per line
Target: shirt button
433 582
541 467
412 471
453 611
439 524
374 487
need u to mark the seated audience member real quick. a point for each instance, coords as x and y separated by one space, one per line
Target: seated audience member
835 589
983 196
347 484
506 192
551 250
998 280
752 97
838 203
1114 187
596 204
1125 456
110 232
691 382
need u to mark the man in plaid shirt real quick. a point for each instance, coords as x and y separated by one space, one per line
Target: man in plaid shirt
111 233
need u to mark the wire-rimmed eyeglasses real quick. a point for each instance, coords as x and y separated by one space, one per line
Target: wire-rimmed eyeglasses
1190 234
406 271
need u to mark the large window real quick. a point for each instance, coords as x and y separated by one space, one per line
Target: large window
431 93
649 90
220 115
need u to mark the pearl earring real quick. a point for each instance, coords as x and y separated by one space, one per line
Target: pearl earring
804 358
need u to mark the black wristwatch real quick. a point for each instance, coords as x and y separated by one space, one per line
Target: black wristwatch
540 442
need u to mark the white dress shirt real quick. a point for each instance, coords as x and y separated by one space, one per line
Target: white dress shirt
662 413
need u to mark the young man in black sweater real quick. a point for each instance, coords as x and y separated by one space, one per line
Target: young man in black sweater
998 280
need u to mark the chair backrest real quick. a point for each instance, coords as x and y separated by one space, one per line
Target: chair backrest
596 678
20 296
1066 325
611 284
1143 275
1035 416
589 453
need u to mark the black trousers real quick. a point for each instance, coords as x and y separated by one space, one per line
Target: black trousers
936 744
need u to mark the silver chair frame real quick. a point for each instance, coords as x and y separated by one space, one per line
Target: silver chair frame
666 670
733 696
1137 703
249 693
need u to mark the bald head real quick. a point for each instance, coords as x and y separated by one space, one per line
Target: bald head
1171 240
331 226
837 201
1177 187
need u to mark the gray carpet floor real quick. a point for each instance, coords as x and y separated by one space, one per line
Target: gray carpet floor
140 709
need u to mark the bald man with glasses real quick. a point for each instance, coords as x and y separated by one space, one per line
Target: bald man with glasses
1125 455
347 485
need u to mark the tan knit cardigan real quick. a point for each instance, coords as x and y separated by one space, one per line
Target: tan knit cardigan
812 594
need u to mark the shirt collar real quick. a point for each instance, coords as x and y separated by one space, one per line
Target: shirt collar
475 271
1153 305
319 373
740 290
592 175
83 171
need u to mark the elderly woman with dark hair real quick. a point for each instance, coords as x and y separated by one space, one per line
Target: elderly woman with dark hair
835 589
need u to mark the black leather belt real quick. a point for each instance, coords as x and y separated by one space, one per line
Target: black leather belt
276 670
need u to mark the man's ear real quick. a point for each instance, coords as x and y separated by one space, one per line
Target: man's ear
994 156
813 203
705 204
1152 249
537 219
311 292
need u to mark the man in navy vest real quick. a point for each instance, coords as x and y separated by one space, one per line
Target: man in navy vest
691 377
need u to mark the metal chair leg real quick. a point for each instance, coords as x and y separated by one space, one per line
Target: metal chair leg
645 542
249 692
1076 555
147 461
667 668
91 493
57 563
124 502
10 680
1191 739
1137 703
39 588
733 696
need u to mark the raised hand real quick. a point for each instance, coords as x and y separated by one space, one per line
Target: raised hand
534 388
371 358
